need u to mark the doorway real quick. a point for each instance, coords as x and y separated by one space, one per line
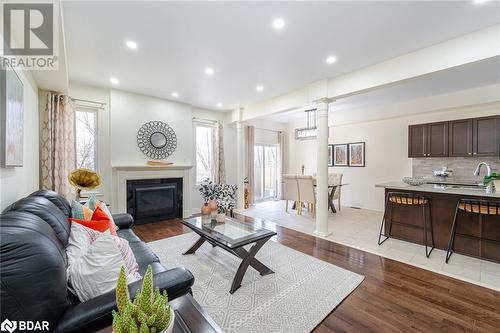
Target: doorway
265 172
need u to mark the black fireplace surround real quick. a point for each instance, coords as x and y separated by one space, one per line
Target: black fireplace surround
151 200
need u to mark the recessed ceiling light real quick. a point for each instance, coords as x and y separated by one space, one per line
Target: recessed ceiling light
114 80
131 44
259 88
219 105
209 71
278 23
175 94
331 59
477 2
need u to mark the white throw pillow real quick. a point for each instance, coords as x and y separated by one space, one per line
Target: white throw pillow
96 259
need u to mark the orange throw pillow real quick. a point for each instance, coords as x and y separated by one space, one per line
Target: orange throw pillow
100 226
101 215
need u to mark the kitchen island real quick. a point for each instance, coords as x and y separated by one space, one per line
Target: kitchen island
443 202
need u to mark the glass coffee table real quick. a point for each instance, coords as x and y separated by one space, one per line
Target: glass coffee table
232 235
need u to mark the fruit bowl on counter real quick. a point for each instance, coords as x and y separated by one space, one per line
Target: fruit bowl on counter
414 181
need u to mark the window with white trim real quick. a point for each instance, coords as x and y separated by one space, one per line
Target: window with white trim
86 137
204 151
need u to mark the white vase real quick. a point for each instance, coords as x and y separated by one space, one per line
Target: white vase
170 327
220 217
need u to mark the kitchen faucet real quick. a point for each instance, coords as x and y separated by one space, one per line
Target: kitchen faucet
489 188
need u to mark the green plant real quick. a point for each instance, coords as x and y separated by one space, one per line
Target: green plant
488 179
148 313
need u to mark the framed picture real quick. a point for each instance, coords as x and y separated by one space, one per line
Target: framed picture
330 155
357 154
11 119
340 155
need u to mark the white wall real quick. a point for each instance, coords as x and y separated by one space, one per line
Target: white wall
386 151
124 113
18 182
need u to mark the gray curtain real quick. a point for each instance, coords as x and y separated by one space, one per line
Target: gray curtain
57 144
219 170
280 163
250 161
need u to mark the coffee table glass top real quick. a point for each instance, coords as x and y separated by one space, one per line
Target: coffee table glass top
232 233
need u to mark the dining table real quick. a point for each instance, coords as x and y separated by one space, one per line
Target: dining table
331 192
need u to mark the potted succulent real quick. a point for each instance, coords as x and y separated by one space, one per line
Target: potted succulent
207 191
495 178
148 312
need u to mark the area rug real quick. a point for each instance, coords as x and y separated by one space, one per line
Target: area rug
296 298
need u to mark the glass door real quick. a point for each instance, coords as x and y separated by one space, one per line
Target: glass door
265 169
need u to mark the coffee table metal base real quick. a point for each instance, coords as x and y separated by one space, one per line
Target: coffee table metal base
247 259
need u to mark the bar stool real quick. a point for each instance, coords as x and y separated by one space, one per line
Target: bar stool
407 199
472 206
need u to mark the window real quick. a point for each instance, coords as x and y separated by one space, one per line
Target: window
86 138
265 172
204 151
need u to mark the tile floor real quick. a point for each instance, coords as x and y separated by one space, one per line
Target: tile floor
359 228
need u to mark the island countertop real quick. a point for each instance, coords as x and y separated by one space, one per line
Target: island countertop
443 189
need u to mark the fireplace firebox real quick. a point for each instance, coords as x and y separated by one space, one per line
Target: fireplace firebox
151 200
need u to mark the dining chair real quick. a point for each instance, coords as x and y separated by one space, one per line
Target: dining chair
336 179
306 194
290 190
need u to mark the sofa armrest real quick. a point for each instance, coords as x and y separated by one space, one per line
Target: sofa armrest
95 313
123 220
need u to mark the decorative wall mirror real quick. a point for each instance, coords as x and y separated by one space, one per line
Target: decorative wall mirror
156 140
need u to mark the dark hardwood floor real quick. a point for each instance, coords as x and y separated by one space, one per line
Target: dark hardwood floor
394 297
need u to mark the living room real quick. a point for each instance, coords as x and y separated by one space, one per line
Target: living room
316 167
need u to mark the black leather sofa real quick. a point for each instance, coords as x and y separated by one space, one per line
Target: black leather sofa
34 233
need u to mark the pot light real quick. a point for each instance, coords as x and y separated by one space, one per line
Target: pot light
209 71
259 88
477 2
175 94
278 23
114 80
131 44
330 60
219 105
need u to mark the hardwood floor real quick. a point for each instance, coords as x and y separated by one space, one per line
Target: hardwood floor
394 297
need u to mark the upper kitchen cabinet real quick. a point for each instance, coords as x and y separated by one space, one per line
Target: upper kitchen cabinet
460 138
456 138
428 140
417 140
486 136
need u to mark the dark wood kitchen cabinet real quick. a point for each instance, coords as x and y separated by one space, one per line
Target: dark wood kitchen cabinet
456 138
460 138
428 140
486 136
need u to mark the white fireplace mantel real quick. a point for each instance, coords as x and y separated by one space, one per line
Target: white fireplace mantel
122 173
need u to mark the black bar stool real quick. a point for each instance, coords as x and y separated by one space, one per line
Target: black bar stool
472 206
407 199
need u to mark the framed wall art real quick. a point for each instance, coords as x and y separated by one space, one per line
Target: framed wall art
357 154
340 155
11 118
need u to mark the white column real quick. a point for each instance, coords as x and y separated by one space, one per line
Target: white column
240 165
322 168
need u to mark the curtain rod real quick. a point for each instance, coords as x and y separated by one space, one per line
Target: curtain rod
269 130
205 120
87 101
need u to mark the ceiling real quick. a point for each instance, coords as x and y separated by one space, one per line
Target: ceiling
473 75
178 40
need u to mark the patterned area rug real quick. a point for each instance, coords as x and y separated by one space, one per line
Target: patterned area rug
296 298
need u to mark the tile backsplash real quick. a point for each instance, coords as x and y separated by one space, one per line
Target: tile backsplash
463 167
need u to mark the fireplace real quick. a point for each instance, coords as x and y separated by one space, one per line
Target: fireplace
150 200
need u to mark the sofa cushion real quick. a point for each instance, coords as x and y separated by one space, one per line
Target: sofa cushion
56 199
144 255
32 269
48 212
128 235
